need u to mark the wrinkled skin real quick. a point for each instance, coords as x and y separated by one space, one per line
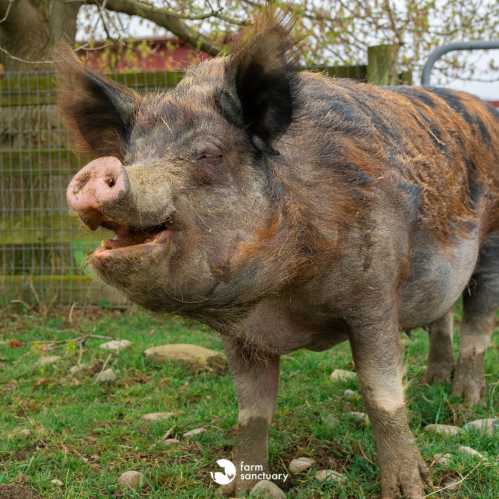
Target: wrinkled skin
287 211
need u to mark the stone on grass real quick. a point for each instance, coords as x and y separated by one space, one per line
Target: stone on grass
48 360
78 368
57 482
300 464
157 416
442 429
131 480
359 417
106 376
20 433
351 394
443 459
267 489
194 433
487 426
342 375
329 475
115 345
171 441
462 449
451 484
194 355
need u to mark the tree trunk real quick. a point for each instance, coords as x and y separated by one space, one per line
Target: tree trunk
30 30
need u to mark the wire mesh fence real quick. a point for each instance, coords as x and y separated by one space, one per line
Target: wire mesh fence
43 247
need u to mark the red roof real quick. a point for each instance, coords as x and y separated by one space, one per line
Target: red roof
147 54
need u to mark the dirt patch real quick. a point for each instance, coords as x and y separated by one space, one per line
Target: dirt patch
17 492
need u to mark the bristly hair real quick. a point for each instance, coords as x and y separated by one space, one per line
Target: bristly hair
262 73
98 112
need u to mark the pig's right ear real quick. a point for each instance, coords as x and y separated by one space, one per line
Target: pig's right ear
259 77
98 112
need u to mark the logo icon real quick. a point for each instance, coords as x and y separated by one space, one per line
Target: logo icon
227 476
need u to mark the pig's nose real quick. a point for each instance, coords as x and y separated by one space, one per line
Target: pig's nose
96 188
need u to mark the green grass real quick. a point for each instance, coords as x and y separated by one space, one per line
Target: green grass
86 435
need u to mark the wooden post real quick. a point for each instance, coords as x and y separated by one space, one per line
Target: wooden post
382 64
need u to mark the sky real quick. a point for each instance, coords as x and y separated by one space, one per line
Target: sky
140 28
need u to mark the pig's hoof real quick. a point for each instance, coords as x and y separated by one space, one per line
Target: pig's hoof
237 488
469 380
437 373
405 476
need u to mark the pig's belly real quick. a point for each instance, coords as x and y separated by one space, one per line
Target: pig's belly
437 279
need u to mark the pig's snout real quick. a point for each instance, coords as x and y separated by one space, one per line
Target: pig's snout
96 188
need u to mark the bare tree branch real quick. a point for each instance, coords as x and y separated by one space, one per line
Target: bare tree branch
7 11
164 18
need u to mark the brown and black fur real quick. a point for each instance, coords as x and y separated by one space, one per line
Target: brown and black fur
307 211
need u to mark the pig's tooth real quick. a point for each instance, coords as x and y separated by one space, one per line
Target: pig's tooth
162 237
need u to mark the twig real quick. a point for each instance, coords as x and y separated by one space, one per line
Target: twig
70 316
454 484
20 59
7 12
27 305
106 362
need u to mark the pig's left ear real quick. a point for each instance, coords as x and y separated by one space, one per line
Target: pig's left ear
258 94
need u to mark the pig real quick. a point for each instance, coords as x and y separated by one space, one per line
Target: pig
289 210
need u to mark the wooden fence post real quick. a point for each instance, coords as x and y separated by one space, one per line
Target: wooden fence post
382 64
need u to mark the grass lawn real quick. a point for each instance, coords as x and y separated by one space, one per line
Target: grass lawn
85 434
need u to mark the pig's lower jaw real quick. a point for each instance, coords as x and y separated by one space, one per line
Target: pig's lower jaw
121 247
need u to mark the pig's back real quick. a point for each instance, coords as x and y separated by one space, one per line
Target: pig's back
442 144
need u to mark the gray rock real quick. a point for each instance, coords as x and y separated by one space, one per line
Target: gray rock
267 489
20 433
171 441
342 375
192 354
487 426
451 484
351 394
462 449
157 416
107 376
442 429
48 360
194 433
300 464
115 345
78 368
443 459
360 417
329 475
131 480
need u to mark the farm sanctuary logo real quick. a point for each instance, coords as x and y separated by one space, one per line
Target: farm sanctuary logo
246 472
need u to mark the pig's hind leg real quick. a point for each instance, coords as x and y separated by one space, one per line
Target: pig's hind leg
480 303
440 358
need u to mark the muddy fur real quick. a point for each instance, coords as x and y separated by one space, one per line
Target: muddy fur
306 211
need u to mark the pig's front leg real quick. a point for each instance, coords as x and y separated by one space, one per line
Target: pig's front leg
440 358
377 352
256 377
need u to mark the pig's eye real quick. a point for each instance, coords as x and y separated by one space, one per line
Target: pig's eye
209 157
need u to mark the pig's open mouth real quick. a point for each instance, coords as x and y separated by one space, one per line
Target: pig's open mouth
127 238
